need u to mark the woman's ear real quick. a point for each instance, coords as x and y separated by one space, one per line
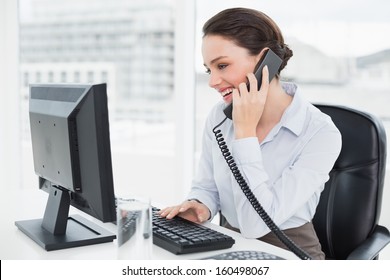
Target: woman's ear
261 54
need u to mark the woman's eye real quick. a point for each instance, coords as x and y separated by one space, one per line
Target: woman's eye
219 66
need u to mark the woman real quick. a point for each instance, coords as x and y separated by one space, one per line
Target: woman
283 146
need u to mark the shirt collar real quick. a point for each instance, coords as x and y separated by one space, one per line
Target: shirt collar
294 116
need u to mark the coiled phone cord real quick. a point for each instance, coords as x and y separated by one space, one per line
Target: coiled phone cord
252 198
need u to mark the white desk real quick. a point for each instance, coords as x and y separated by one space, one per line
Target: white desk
30 204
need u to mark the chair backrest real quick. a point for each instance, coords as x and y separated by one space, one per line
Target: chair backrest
350 204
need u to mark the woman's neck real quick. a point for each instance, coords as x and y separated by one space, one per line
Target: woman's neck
277 102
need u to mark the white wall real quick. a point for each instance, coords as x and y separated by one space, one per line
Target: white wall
184 94
9 95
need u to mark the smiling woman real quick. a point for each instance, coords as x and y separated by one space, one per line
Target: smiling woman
338 52
340 56
281 145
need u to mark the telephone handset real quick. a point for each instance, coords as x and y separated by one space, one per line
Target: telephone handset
273 62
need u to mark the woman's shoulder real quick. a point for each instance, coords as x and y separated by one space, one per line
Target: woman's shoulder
322 121
315 119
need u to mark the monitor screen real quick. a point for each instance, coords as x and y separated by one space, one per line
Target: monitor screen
72 157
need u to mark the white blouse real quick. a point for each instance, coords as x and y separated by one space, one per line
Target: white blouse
286 171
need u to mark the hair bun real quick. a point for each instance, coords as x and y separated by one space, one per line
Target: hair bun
287 53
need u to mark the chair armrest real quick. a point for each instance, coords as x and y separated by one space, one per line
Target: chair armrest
371 247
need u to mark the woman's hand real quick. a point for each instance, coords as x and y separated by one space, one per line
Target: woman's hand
191 210
248 106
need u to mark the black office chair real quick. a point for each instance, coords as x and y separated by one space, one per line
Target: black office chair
346 219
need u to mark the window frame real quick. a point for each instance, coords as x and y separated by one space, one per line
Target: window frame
10 144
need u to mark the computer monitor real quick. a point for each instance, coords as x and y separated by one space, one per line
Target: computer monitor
72 157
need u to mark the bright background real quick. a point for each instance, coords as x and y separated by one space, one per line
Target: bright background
149 54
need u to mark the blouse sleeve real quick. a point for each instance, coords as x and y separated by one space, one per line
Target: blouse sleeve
298 182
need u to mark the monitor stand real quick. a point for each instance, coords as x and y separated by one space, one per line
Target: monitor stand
59 231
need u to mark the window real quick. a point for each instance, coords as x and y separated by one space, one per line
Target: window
129 45
76 77
63 77
104 77
38 77
90 77
50 77
337 58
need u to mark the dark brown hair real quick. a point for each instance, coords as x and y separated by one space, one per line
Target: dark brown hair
250 29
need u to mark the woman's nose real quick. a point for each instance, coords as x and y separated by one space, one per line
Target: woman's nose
214 80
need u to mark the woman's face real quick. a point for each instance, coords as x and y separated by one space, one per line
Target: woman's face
226 63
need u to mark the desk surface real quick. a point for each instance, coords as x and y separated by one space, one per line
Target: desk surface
30 204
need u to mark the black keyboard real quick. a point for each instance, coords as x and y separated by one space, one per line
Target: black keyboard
244 255
180 236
